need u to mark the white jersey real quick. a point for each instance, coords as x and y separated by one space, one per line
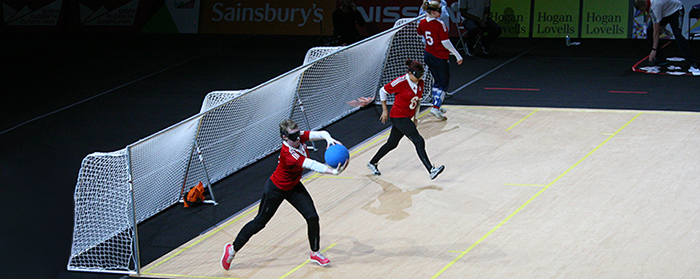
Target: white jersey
663 8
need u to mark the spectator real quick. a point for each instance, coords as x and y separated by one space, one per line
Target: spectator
345 19
664 12
478 22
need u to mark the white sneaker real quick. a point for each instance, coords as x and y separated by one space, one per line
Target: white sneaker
434 172
374 169
438 114
693 69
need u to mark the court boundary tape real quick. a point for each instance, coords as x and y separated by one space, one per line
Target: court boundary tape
211 232
463 253
636 68
522 119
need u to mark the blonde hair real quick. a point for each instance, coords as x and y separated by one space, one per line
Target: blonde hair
431 5
287 125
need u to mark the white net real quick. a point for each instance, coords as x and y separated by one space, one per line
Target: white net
244 129
159 166
407 44
318 52
331 82
216 98
233 129
103 235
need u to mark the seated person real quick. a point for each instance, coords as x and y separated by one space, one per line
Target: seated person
477 21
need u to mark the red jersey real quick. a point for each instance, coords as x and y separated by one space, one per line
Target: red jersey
407 96
289 164
434 31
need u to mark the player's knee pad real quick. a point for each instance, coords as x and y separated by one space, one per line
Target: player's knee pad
438 96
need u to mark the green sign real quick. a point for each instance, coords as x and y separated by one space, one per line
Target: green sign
605 19
556 19
513 16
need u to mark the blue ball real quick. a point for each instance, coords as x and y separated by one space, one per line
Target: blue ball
336 154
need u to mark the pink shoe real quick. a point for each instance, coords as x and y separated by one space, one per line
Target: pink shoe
227 257
319 258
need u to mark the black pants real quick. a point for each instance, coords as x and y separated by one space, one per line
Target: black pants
674 20
271 200
492 30
403 126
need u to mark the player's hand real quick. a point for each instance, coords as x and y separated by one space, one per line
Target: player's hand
652 56
341 167
332 141
459 62
384 117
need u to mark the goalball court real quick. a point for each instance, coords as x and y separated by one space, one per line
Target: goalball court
146 83
526 193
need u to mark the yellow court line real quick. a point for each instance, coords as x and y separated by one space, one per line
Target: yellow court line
250 210
366 145
531 199
521 120
314 175
305 262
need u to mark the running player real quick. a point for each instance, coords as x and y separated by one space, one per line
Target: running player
285 184
408 91
437 54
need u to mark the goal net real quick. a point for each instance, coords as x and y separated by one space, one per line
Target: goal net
118 190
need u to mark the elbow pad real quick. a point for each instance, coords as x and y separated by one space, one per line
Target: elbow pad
314 165
382 94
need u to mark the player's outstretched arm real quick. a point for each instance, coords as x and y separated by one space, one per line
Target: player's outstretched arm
322 168
318 135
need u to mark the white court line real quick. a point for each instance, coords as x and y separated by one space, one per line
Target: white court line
100 94
492 70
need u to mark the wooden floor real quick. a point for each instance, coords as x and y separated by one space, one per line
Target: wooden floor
526 193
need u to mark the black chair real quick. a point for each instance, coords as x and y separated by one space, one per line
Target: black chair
694 14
